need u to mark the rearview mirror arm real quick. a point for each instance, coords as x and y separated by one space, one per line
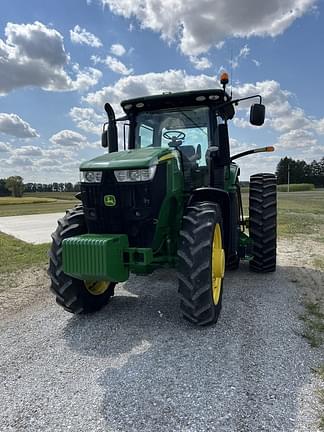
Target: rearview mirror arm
236 101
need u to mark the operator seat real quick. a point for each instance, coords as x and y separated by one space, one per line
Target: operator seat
189 160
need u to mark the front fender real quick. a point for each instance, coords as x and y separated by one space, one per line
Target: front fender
220 197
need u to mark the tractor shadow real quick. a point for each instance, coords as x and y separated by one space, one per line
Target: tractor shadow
247 373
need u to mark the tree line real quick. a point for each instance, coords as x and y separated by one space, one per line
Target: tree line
15 186
300 171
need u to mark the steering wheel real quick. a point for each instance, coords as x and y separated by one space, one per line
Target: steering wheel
175 136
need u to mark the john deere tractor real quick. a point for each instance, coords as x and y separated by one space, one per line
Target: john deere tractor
170 198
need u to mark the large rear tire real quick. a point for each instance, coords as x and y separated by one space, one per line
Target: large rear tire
201 263
263 222
74 295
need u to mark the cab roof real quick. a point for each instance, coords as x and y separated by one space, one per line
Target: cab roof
209 97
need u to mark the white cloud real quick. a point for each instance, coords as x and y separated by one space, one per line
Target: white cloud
29 151
82 36
256 62
296 139
118 50
243 53
319 125
87 119
4 148
113 64
68 138
200 63
19 161
12 124
86 78
148 84
198 27
34 55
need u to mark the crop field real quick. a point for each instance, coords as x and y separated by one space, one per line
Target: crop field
37 203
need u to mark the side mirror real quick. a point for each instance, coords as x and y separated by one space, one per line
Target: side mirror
104 136
257 114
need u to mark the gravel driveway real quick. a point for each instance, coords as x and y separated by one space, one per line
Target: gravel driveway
137 366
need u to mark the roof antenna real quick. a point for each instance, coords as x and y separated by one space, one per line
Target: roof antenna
231 70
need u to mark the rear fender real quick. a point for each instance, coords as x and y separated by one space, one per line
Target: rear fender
220 197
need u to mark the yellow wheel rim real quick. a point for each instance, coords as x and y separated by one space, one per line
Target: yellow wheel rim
96 287
218 264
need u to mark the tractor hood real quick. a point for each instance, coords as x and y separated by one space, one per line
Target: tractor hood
137 158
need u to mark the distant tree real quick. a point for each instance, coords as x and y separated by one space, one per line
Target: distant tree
4 191
55 187
15 185
68 187
282 170
300 171
29 187
77 187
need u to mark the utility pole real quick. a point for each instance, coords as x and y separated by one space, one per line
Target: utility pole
288 182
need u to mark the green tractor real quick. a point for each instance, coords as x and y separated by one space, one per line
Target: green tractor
171 198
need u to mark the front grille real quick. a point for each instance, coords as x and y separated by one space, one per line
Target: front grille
137 207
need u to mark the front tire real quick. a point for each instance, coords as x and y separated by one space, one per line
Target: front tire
74 295
263 222
201 263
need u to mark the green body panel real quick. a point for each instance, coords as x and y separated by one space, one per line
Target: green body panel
127 159
103 257
169 220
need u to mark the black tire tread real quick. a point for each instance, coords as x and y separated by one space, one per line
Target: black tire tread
263 222
194 270
71 293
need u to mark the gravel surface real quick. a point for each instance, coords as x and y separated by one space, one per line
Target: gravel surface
137 366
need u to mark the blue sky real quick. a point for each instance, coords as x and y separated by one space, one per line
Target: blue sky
60 61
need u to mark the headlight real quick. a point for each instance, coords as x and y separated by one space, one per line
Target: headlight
144 174
91 176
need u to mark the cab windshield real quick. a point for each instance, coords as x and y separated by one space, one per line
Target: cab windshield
186 129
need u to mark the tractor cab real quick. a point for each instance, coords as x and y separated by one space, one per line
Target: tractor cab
191 124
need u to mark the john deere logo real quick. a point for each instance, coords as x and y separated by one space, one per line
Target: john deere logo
110 200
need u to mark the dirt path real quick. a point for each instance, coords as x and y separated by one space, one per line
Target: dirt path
137 366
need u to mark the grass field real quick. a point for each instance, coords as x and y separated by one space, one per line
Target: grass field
16 254
56 195
24 200
37 203
299 213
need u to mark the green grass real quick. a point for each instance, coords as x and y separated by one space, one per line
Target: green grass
296 187
320 393
17 255
321 400
58 206
299 213
319 371
55 195
24 200
319 262
313 319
